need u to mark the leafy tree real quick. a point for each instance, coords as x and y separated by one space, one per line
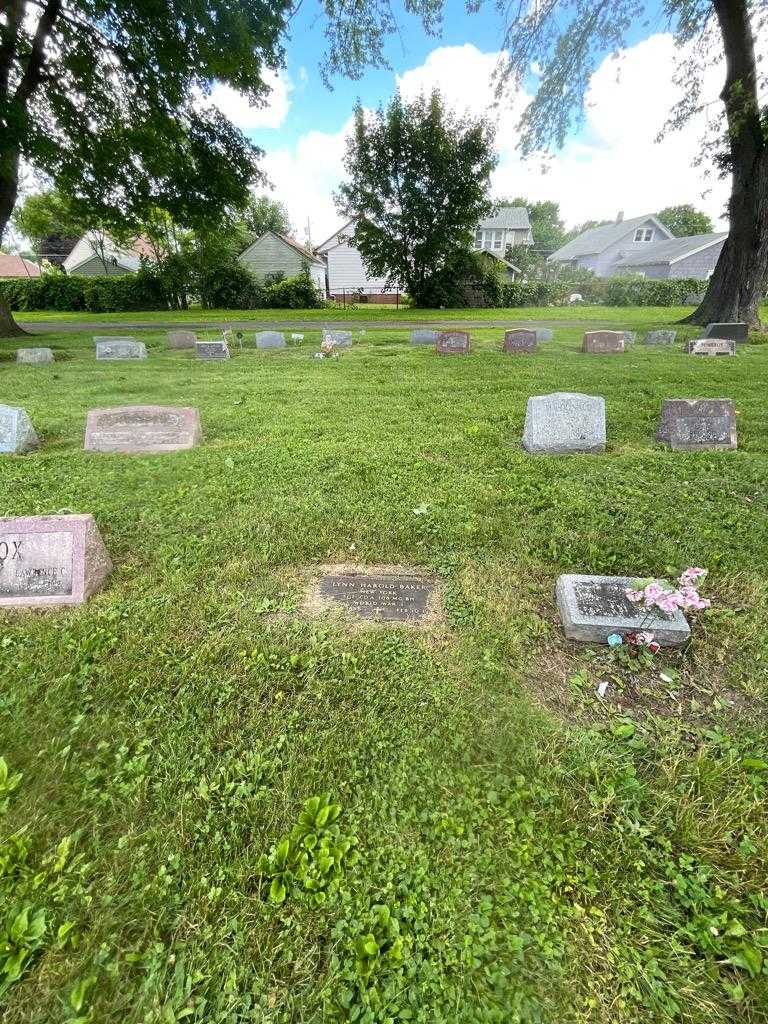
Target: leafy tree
568 38
265 214
418 184
49 223
547 228
685 220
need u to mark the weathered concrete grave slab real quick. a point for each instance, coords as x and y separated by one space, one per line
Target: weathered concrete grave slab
601 342
34 355
377 596
339 339
593 607
423 336
182 339
544 333
270 339
519 339
142 428
17 435
696 424
452 343
50 560
212 350
733 331
712 347
564 422
120 348
660 338
630 337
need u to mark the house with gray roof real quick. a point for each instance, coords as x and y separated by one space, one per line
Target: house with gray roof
600 249
508 226
693 256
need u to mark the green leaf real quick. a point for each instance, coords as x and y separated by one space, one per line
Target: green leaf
277 891
80 991
754 764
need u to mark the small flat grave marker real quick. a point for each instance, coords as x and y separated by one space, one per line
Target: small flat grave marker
137 429
120 348
602 342
563 423
733 331
50 560
17 435
339 339
34 355
182 339
593 607
452 343
212 350
270 339
712 347
423 336
385 597
544 334
660 338
630 337
519 339
697 424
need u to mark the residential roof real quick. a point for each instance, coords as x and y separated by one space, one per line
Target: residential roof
501 259
299 249
596 240
513 218
671 250
329 243
17 266
87 248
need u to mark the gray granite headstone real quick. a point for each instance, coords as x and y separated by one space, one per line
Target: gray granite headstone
50 560
660 338
392 598
270 339
17 435
137 429
182 339
519 339
630 337
112 337
212 350
121 348
34 355
452 343
601 342
339 339
734 331
422 336
593 607
544 334
712 347
696 424
564 422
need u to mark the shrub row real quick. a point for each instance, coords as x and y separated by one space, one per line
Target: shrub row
643 291
60 292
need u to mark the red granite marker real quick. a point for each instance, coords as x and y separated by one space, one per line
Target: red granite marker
142 429
451 343
519 339
603 341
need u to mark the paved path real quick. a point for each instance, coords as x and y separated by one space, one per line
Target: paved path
125 326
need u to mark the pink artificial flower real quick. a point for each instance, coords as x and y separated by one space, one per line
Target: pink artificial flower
692 599
669 601
644 638
652 592
634 595
692 574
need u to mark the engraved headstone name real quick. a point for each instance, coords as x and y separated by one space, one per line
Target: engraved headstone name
135 429
695 424
452 343
17 435
593 607
712 347
120 348
602 342
50 560
564 423
270 339
423 336
391 598
182 339
519 339
34 355
212 350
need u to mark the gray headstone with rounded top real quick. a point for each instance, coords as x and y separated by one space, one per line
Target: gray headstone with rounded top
17 435
564 423
270 339
34 355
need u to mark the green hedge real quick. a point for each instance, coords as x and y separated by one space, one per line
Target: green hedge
63 293
643 291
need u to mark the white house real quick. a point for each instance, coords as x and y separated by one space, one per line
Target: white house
509 226
273 253
345 270
86 257
601 249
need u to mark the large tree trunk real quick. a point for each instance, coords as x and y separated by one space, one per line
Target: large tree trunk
9 190
741 275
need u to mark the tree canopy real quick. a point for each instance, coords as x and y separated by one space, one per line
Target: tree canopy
263 213
685 220
418 179
547 228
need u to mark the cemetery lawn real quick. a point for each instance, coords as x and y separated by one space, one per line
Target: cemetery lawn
527 852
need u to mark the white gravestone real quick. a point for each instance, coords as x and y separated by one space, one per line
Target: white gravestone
121 348
34 355
564 423
17 435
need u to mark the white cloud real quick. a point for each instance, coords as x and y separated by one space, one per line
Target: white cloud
247 117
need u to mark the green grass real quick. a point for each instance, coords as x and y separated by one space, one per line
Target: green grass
544 856
625 315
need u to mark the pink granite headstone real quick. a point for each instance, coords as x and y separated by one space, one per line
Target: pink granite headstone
519 339
137 429
50 560
601 342
451 343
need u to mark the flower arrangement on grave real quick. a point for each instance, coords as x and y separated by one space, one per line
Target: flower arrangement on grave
652 594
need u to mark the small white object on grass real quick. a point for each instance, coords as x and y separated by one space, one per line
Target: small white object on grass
602 688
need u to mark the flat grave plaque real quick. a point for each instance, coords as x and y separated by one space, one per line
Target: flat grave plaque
212 350
120 348
387 598
733 331
452 343
593 607
697 424
423 336
270 339
182 339
660 338
339 339
544 333
17 435
34 355
603 342
519 339
50 560
136 429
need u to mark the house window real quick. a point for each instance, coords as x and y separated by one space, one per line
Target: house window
648 235
478 239
639 235
498 237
